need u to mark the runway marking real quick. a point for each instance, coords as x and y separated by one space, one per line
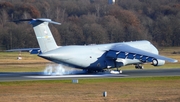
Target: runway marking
78 76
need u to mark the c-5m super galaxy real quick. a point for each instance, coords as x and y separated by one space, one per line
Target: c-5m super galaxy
94 58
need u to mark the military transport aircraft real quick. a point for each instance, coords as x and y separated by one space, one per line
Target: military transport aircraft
94 57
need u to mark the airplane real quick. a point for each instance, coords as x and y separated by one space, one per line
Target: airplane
95 57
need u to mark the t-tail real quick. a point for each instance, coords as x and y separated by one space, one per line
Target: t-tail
43 34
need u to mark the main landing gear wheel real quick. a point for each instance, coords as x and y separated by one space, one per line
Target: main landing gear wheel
116 71
120 71
139 66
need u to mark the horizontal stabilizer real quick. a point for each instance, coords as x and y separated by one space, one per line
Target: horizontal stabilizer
38 20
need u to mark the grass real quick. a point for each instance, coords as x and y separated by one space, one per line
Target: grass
29 62
89 81
90 90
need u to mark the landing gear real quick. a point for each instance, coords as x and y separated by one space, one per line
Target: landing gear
116 71
120 71
139 66
93 71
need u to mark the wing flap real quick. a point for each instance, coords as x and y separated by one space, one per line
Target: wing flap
132 52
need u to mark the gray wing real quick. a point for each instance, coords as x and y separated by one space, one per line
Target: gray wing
126 51
31 50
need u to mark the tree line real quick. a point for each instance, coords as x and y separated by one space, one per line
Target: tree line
92 21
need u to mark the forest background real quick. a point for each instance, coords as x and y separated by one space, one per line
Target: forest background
91 21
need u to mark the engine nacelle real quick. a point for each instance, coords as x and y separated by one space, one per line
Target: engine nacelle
35 51
157 62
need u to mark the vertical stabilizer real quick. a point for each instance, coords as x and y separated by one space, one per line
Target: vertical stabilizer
43 34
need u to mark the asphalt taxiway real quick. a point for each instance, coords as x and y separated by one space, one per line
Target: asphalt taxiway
22 76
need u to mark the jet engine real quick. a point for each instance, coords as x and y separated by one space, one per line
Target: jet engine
157 62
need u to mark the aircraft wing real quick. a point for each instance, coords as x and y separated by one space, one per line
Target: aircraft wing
126 51
31 50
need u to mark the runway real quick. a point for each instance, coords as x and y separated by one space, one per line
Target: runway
23 76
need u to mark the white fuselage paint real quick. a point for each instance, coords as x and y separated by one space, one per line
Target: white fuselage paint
93 56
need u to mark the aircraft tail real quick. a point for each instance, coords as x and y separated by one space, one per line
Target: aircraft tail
43 34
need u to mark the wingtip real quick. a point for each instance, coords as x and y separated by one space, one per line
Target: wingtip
175 61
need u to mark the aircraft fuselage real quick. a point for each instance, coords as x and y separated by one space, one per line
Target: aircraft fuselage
94 56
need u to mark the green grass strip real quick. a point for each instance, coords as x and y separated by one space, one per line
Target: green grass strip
96 80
